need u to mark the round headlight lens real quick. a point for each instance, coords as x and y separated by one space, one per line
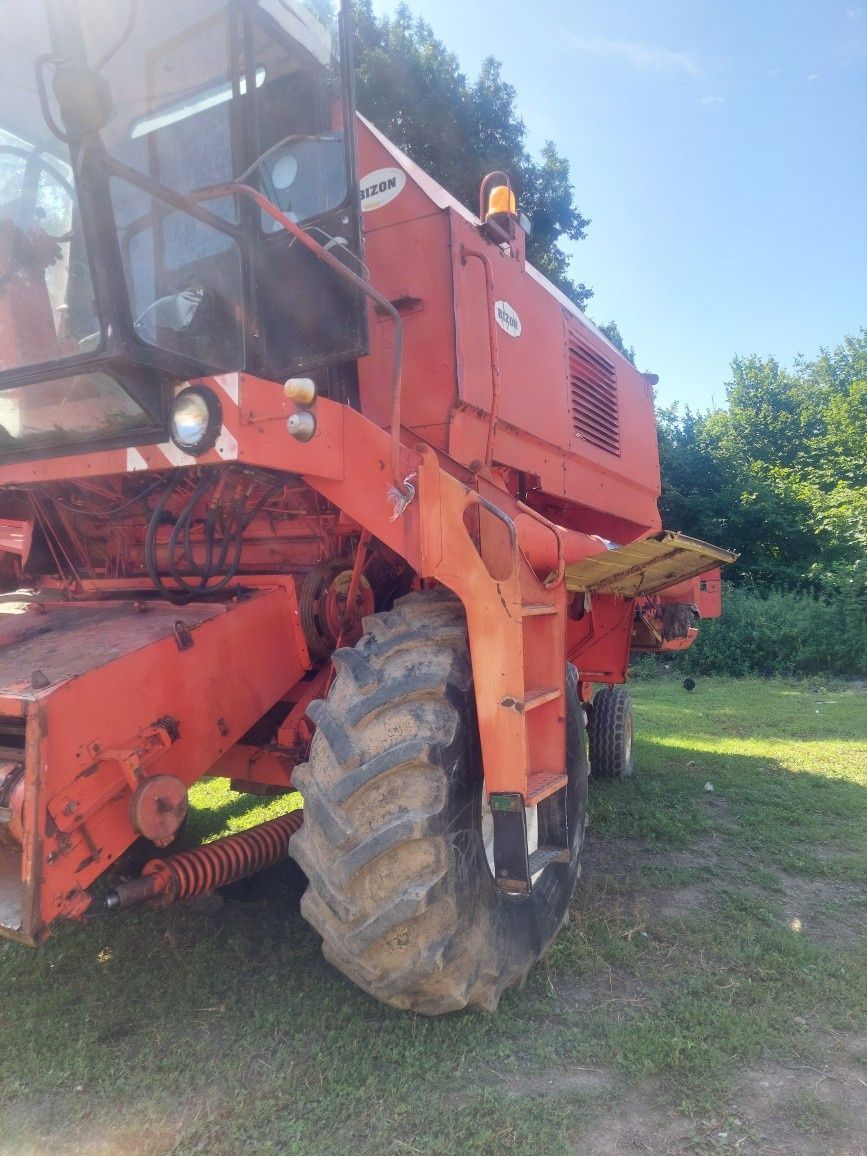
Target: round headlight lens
195 420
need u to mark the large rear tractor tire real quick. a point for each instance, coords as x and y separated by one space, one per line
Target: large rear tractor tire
400 885
610 730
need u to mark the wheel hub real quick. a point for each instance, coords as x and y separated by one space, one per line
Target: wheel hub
323 602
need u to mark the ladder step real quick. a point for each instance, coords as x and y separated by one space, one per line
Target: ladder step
543 784
535 698
546 854
541 696
535 609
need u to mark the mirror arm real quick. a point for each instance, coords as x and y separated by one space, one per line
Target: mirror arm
41 63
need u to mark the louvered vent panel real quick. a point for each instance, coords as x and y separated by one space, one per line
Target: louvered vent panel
593 385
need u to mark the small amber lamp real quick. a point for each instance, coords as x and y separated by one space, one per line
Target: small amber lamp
501 201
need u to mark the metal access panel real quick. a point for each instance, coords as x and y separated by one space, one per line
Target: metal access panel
645 567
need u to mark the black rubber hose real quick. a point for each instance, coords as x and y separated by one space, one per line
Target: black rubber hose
207 568
230 540
231 531
175 596
183 521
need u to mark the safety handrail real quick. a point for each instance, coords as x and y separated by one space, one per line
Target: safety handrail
560 572
474 498
496 384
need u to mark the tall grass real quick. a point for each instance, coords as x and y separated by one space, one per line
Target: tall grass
781 632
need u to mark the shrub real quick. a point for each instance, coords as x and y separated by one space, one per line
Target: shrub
781 632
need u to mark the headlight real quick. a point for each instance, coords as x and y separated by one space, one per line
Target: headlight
196 420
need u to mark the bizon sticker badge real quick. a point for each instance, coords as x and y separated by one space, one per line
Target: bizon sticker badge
380 188
507 319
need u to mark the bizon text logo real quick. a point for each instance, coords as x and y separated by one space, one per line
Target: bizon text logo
507 319
380 188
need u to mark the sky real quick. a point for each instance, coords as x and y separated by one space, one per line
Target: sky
719 148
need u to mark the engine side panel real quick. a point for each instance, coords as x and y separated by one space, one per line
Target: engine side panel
575 416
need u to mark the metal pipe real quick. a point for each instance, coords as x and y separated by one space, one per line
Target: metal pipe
354 582
233 188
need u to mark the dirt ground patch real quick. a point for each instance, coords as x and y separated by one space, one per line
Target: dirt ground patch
824 909
636 1125
777 1110
612 869
814 1111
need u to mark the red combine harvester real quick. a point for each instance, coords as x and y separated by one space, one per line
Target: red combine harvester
308 480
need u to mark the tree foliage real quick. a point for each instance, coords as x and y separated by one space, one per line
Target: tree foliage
612 332
781 474
413 89
786 632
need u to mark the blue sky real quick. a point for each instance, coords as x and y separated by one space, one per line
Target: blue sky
719 148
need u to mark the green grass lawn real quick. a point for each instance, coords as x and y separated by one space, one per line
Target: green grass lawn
708 995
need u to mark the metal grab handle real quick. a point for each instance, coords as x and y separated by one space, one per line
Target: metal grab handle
560 572
233 188
496 383
474 498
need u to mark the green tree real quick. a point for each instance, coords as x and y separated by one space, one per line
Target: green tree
612 332
775 416
781 474
413 89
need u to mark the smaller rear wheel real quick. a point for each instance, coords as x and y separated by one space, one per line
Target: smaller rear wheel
610 731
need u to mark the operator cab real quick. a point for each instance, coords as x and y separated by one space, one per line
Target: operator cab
120 279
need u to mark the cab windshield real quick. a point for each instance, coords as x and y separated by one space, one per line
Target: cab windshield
198 103
104 235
